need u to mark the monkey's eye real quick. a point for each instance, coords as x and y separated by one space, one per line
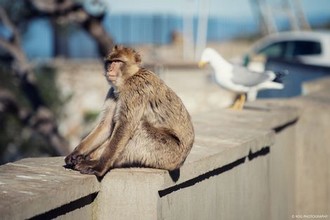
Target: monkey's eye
107 64
117 60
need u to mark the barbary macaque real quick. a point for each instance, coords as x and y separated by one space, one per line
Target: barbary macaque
144 123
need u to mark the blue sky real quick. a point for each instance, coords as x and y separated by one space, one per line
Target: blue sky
226 8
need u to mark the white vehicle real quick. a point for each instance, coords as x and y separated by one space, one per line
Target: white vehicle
307 47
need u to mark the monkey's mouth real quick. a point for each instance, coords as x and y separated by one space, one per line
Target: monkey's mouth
111 77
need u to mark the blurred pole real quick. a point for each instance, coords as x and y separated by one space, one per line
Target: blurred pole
188 27
203 14
265 16
288 10
268 14
255 7
301 15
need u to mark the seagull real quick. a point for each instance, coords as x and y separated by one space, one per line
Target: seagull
239 79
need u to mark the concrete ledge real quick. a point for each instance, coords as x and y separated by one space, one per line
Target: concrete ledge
313 153
311 183
228 144
37 186
225 140
316 85
269 161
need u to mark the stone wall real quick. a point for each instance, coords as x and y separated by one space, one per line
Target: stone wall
269 161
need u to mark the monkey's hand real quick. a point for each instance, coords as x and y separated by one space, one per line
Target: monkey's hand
93 167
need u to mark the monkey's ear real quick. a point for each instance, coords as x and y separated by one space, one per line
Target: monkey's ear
117 47
137 57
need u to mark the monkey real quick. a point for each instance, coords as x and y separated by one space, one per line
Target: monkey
143 122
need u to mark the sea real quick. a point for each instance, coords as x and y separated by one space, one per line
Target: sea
133 29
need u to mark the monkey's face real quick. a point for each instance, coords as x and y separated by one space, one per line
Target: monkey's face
120 63
113 70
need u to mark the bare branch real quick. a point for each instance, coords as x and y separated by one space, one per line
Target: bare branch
66 11
53 6
94 27
69 11
7 23
21 64
75 16
13 45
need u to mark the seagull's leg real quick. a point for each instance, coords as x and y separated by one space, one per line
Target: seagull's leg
242 100
236 104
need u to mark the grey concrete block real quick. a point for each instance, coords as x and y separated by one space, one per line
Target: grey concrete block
35 186
259 163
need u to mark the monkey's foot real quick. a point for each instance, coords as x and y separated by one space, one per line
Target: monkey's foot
74 158
92 167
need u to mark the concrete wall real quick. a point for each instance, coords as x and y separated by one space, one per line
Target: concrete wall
313 149
269 161
282 179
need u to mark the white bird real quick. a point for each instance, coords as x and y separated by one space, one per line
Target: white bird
238 78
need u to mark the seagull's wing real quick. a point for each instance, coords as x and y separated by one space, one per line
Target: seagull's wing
245 77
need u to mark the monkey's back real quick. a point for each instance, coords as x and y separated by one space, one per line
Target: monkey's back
164 109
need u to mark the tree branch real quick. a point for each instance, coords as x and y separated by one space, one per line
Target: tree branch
94 27
42 119
7 23
53 6
69 11
13 45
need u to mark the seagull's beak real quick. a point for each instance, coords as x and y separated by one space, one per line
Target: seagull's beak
202 64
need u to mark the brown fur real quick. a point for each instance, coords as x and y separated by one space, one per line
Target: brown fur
144 122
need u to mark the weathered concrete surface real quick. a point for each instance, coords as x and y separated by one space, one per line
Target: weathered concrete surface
312 149
314 163
241 193
316 85
225 175
230 173
282 170
33 186
313 153
220 178
282 119
130 194
222 137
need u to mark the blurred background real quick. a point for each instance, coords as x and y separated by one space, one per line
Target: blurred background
51 52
